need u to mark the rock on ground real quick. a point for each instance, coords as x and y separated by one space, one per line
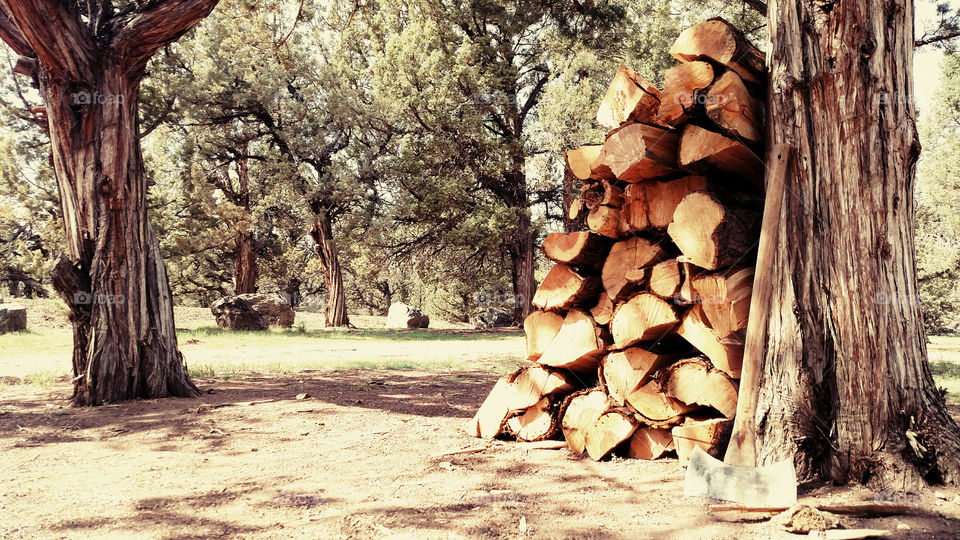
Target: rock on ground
493 318
13 318
254 311
403 316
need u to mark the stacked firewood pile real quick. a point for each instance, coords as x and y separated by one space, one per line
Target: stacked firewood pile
639 334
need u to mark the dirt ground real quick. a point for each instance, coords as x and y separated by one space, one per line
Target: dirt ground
361 457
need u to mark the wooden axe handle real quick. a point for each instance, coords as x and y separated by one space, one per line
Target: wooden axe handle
742 450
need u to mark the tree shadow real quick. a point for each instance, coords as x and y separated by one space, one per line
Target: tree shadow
45 417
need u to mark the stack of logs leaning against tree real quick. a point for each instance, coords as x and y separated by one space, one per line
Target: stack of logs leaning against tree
639 334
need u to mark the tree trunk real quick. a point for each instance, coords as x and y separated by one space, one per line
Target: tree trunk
568 196
322 234
245 269
113 277
125 342
522 261
846 390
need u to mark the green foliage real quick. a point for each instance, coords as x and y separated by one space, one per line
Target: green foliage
938 197
30 224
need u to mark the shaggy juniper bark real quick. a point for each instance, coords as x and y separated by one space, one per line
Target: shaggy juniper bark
846 389
88 59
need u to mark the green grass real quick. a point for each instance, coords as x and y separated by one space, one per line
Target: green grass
947 376
278 335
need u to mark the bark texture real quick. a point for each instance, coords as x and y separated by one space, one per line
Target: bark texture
245 267
113 277
322 234
846 389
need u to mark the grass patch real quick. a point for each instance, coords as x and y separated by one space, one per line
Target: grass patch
947 375
275 335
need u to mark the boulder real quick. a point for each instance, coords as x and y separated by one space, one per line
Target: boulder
13 318
493 318
404 316
254 311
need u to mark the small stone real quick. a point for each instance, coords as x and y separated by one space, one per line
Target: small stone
940 495
903 527
303 396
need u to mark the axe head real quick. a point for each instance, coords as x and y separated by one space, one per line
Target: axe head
770 486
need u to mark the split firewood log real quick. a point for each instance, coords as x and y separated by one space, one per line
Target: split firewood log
711 435
515 393
600 193
682 89
725 354
629 97
644 317
665 279
581 248
576 211
577 347
563 288
602 312
688 295
703 151
580 161
650 443
540 327
711 234
652 404
536 423
605 221
493 412
695 381
732 108
721 42
579 412
638 152
725 299
625 257
609 431
622 372
650 205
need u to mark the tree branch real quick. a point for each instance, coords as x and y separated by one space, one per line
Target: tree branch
141 32
10 33
758 5
936 39
54 33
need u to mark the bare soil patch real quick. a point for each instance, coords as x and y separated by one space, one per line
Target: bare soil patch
360 458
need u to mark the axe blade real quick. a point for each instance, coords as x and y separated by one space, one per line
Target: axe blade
769 486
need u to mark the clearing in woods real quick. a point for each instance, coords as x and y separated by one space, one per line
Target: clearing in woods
364 456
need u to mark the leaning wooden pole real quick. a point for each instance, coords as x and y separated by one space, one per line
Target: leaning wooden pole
742 449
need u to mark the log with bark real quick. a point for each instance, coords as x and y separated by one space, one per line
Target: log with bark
563 288
719 41
580 248
703 151
712 234
650 205
629 98
639 152
682 91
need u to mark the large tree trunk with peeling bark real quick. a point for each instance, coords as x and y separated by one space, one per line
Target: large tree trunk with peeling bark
846 390
88 67
322 234
245 264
